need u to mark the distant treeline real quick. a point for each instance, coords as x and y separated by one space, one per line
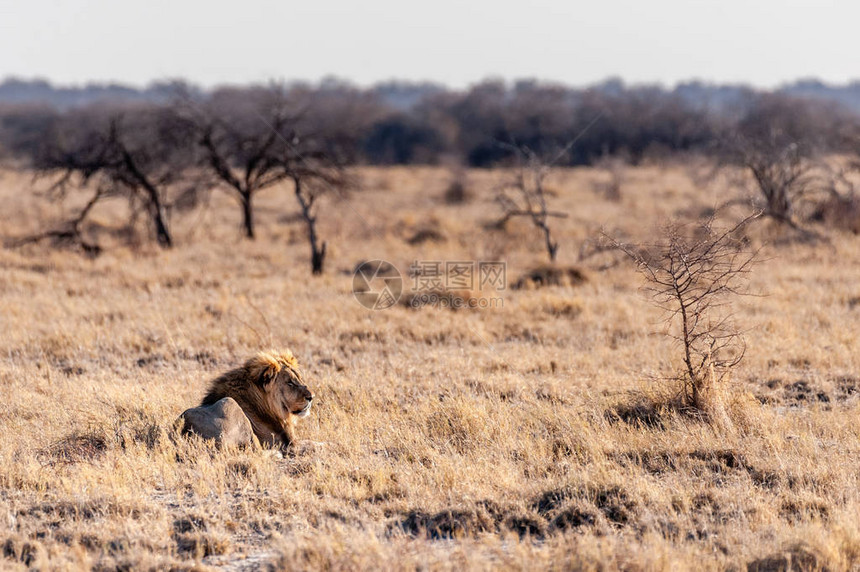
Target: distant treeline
423 123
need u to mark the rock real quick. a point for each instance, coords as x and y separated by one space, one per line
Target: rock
223 421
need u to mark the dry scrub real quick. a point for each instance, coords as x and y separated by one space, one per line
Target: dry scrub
510 438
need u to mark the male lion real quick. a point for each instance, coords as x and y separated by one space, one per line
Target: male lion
271 393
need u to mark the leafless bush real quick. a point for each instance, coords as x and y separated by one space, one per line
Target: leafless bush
256 138
253 139
244 134
840 208
600 252
610 186
778 143
312 179
782 177
526 196
325 141
457 191
694 273
143 154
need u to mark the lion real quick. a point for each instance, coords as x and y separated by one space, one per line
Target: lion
271 393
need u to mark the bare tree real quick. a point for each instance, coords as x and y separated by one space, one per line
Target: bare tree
139 153
244 135
526 196
70 232
694 274
319 145
778 143
782 177
841 209
313 177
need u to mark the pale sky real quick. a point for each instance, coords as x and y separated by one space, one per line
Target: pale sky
764 42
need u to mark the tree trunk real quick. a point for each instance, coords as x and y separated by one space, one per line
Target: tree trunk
248 215
161 231
693 397
317 259
317 251
551 247
156 208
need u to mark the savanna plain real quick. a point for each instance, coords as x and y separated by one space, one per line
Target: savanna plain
527 435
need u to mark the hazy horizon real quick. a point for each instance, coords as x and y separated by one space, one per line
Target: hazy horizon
212 43
313 81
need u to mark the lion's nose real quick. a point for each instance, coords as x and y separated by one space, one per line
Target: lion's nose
310 397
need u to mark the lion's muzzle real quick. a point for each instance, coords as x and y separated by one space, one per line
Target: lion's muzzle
304 411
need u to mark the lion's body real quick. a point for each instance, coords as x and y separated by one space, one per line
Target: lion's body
271 393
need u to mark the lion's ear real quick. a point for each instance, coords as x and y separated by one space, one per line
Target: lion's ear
267 376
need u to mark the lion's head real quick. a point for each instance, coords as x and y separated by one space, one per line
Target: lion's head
277 374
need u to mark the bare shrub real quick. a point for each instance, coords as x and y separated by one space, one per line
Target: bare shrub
840 208
254 139
321 143
526 196
778 143
600 252
142 154
243 134
457 191
312 179
694 273
610 186
840 213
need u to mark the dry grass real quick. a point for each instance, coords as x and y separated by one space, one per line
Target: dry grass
524 436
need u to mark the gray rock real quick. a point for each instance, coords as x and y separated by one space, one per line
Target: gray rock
223 421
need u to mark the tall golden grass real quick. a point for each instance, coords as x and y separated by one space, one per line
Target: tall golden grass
518 437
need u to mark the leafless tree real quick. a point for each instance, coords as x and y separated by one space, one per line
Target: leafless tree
256 138
70 232
778 143
600 252
782 177
526 196
313 177
244 135
140 153
841 209
320 145
694 273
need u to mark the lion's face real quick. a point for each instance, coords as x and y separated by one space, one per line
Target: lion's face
292 392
